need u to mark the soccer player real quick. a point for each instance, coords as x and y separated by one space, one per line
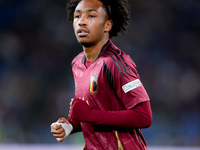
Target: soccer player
111 104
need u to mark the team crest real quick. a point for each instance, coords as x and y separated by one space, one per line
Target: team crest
93 84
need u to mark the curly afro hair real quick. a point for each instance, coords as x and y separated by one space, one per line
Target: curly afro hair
117 11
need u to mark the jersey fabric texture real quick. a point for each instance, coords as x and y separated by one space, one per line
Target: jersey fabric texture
112 83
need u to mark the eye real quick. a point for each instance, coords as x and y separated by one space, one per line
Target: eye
91 16
77 16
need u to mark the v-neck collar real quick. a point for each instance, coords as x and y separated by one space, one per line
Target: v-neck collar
100 54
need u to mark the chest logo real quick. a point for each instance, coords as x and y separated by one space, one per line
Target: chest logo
93 84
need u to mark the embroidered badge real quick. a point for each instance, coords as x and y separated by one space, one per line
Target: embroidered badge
131 85
93 84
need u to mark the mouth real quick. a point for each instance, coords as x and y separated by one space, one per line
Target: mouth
82 32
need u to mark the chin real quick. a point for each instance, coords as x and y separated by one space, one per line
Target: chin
85 43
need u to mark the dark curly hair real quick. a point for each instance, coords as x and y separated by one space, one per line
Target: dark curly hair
117 11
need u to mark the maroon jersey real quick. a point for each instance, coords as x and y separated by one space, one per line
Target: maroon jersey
112 83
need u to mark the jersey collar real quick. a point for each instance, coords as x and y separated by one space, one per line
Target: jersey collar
108 43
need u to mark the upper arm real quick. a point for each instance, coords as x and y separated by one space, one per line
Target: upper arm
128 86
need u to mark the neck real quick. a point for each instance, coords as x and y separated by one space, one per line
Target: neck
93 51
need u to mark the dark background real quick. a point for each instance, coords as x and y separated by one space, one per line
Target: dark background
37 45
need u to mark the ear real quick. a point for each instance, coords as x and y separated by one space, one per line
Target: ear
108 25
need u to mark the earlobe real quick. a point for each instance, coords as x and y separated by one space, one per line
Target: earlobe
108 26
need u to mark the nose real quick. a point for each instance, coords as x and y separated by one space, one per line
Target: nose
82 21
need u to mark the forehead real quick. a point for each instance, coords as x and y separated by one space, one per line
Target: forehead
89 4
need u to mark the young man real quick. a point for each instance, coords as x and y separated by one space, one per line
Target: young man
111 104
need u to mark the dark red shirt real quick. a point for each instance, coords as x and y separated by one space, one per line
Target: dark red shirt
112 83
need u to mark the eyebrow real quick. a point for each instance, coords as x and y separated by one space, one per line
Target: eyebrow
88 10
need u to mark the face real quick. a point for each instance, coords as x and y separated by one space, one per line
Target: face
91 24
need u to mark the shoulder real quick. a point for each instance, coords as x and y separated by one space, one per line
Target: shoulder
117 61
78 58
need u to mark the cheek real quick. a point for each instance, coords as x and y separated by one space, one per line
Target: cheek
74 27
102 23
98 26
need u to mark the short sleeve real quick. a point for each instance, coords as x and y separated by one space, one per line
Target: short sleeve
128 85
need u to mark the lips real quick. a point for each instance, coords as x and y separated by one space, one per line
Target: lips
82 32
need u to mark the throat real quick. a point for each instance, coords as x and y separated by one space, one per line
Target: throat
92 53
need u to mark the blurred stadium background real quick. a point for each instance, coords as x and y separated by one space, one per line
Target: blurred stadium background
37 45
